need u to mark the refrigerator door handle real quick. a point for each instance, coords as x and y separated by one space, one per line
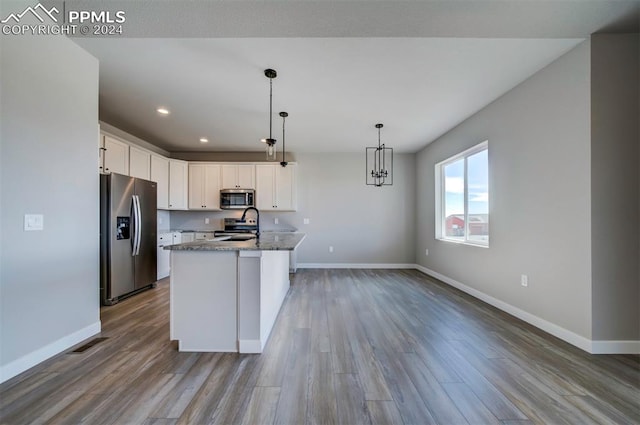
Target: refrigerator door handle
134 225
139 225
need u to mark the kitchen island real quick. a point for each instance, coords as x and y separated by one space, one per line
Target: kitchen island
225 295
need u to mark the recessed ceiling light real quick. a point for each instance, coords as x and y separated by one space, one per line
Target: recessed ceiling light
204 140
163 111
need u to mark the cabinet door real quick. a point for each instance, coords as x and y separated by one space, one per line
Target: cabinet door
178 179
211 193
196 186
139 163
265 187
229 177
285 185
163 255
116 156
177 238
160 175
247 176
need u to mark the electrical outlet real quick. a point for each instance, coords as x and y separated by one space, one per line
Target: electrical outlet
305 221
275 220
426 252
524 280
33 222
330 249
206 221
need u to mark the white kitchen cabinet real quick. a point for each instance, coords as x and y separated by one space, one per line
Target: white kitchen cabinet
276 187
187 237
139 163
203 236
178 184
238 176
115 156
163 255
160 175
176 238
204 186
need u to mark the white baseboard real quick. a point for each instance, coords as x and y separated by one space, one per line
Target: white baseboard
250 346
356 266
615 347
555 330
18 366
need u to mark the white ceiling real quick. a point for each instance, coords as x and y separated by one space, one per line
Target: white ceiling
334 88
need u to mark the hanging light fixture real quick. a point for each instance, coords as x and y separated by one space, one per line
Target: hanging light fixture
379 163
271 142
284 115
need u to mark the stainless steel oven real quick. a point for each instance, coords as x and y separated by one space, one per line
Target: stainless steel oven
237 199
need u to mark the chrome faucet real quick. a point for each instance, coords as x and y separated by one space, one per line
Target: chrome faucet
244 213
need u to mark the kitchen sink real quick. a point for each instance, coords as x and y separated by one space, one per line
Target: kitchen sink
233 238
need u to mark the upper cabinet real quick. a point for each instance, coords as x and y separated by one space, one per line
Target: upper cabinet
204 186
139 163
276 187
178 180
115 156
238 176
160 175
196 185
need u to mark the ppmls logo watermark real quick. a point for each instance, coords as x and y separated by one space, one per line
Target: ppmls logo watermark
38 20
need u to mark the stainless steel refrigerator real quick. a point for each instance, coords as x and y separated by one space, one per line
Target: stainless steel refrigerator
128 216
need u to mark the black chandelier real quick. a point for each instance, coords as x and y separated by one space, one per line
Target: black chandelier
379 163
271 142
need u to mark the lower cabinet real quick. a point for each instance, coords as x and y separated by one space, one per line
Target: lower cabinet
164 255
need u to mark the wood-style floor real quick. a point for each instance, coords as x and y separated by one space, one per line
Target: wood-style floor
349 347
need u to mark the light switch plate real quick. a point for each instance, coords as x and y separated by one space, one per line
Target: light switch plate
305 221
33 222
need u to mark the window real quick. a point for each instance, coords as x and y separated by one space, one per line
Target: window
462 197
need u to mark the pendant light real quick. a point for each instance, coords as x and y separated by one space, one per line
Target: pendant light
271 142
379 164
284 115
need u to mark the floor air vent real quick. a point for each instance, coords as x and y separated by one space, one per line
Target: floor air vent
88 345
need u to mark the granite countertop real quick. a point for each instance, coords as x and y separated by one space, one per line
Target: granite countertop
268 241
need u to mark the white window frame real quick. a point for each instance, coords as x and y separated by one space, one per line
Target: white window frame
440 194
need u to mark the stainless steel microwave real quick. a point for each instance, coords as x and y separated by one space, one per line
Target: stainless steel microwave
237 199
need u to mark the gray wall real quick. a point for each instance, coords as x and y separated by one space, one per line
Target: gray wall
615 139
49 139
540 200
364 224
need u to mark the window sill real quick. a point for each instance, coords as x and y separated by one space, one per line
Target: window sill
478 245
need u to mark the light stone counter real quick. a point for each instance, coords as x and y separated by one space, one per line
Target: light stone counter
268 241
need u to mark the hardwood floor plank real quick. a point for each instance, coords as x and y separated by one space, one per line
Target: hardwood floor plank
206 400
262 406
175 402
433 395
321 399
292 405
342 337
384 413
238 393
601 412
320 337
470 405
409 402
351 404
